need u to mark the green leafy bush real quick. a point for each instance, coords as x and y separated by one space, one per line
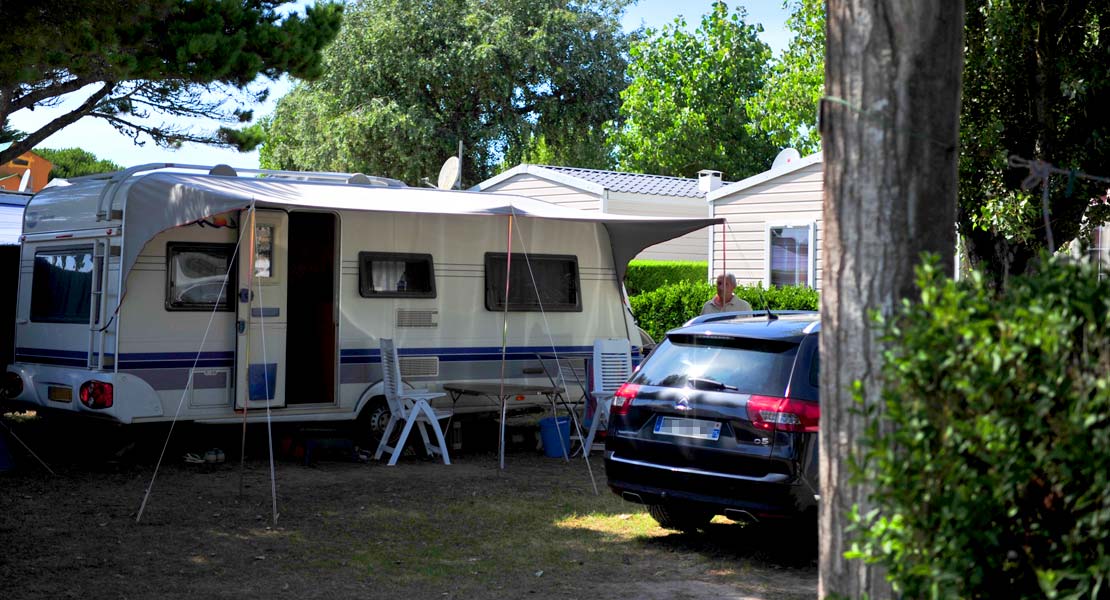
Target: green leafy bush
647 275
672 305
990 460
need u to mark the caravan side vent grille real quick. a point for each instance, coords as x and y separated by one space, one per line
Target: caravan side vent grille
419 366
417 318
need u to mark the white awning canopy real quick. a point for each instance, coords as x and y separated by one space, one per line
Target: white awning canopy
161 201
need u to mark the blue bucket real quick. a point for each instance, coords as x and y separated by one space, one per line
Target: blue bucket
552 430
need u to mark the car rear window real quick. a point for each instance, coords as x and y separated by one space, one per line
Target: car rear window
752 366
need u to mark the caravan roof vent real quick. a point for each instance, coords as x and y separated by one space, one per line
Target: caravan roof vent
223 170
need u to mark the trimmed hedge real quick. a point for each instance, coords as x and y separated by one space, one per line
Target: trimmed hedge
672 305
647 275
990 461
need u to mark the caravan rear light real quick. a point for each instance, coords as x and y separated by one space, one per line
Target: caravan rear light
12 385
622 400
783 414
96 394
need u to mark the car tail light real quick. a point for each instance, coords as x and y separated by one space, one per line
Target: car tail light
783 414
12 385
622 400
96 394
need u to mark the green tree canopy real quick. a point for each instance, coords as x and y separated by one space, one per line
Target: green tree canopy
407 81
1036 79
687 104
75 162
786 107
140 58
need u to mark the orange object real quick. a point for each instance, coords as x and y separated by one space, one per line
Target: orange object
11 173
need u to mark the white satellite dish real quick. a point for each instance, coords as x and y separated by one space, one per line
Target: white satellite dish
25 181
785 158
448 174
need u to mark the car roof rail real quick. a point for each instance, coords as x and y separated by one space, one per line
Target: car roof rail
728 316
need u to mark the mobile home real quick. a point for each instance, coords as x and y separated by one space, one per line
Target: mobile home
168 292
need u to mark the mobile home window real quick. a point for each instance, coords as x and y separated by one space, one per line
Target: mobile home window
396 275
61 285
536 282
789 255
195 275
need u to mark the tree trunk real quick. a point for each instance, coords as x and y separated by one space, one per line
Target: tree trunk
890 129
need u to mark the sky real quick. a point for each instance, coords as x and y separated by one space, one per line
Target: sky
101 139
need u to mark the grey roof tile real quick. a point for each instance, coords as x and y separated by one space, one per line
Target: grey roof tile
636 183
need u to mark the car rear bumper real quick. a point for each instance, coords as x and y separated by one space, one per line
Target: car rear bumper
774 495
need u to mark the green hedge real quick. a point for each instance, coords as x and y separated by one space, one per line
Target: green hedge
991 459
672 305
647 275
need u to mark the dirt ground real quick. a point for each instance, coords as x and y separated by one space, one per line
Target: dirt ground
348 529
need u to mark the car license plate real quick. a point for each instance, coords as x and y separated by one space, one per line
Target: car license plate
691 428
59 393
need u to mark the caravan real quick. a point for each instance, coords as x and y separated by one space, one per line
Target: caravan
170 292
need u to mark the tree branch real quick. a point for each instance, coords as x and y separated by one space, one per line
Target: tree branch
32 140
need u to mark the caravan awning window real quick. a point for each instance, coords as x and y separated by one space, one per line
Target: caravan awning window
195 276
537 282
396 275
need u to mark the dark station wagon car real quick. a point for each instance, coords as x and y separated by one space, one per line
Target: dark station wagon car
722 418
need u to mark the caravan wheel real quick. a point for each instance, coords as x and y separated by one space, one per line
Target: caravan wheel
372 421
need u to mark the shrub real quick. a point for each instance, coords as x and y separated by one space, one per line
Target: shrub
648 275
990 461
672 305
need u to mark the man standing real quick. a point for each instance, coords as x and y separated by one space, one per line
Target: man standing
724 301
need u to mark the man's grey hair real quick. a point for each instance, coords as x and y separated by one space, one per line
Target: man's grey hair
729 277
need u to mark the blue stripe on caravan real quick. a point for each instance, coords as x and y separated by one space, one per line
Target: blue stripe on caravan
372 356
52 352
175 364
50 356
172 355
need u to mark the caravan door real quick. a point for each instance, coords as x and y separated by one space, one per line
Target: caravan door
262 299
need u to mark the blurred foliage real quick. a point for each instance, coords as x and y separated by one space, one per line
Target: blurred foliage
687 104
136 59
669 306
1036 75
786 107
407 81
647 275
75 162
990 455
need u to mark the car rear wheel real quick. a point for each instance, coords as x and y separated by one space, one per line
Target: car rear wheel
681 518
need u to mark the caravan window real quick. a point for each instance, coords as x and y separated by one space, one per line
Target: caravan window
195 275
396 275
61 285
536 282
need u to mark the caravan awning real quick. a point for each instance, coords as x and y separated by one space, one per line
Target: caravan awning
160 201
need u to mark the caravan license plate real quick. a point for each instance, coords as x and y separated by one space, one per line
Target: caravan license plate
691 428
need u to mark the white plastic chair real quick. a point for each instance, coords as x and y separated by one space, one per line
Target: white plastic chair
410 406
612 366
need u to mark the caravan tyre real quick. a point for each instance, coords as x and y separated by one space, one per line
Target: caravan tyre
372 422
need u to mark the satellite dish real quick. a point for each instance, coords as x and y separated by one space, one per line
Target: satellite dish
449 174
785 158
25 181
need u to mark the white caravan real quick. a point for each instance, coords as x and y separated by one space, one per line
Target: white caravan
173 292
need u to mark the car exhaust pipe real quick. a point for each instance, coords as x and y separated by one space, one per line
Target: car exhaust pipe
632 497
740 516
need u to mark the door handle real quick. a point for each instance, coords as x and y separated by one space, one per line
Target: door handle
245 295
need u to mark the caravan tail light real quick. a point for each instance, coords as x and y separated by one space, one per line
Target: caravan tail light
783 414
96 394
622 400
